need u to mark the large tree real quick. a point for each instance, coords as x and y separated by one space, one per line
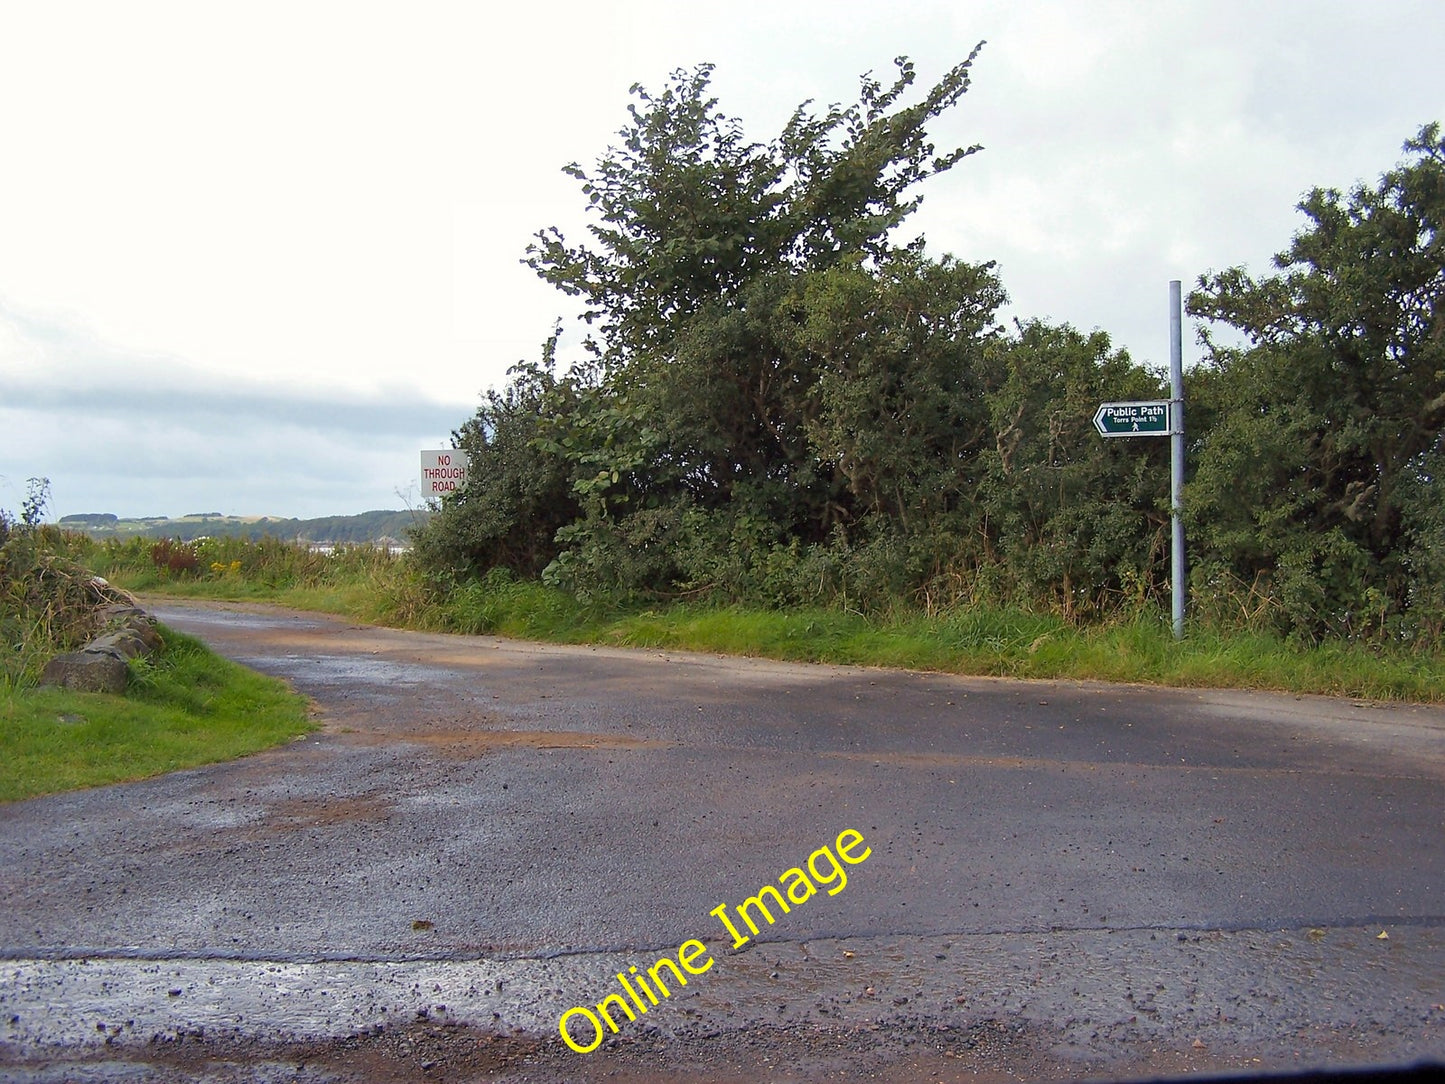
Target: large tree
689 211
1320 466
722 280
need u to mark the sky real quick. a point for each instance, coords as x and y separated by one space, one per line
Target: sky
255 257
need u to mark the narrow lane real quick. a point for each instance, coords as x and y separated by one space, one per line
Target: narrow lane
1145 880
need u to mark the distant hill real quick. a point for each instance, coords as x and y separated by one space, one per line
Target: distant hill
380 526
97 519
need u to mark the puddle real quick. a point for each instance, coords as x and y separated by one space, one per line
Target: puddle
239 619
348 669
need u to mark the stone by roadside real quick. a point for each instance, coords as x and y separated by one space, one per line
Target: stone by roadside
127 632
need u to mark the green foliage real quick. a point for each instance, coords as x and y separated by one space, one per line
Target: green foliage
690 211
898 416
853 615
781 405
777 391
1316 478
501 604
235 565
523 448
979 639
730 292
1074 519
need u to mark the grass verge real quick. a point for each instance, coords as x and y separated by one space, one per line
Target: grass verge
185 707
976 641
1021 645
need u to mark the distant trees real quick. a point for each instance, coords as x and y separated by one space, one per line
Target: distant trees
91 519
780 403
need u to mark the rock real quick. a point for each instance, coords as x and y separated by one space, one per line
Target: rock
100 666
87 672
148 635
123 644
145 628
119 613
134 619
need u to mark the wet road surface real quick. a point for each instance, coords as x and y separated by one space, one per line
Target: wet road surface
1062 879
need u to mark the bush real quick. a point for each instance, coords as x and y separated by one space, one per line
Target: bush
175 558
49 601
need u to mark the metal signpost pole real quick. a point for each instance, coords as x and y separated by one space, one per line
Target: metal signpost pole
1176 448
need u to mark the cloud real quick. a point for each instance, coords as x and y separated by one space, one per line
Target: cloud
303 224
138 434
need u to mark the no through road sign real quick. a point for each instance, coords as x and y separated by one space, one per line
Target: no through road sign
443 471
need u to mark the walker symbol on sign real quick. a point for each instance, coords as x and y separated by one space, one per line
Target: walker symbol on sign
1147 419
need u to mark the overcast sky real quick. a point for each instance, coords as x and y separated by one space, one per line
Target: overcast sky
254 257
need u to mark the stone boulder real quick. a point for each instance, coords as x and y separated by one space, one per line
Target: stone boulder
87 672
100 666
120 612
132 620
123 643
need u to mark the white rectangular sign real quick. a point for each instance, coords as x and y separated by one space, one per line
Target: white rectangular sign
443 471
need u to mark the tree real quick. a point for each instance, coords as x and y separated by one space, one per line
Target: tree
692 212
781 403
1316 474
897 413
709 278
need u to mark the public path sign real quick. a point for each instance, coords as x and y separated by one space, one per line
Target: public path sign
1147 419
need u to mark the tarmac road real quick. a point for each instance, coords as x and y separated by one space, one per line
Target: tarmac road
1061 879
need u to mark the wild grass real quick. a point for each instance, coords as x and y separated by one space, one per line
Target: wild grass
48 600
184 706
1023 645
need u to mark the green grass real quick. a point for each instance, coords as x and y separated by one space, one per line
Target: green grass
982 641
356 599
1023 645
184 708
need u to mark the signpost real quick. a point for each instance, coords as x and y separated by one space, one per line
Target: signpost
443 471
1147 419
1161 418
1176 451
